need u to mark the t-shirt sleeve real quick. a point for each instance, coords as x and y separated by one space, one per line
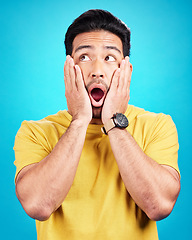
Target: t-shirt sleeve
161 141
31 145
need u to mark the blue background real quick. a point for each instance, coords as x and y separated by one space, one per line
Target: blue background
32 55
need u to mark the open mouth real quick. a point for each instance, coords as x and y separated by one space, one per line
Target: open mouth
97 94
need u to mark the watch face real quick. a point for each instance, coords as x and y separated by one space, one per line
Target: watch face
121 120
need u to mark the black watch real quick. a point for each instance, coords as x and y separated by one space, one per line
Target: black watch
118 120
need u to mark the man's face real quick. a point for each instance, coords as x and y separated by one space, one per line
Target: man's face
98 55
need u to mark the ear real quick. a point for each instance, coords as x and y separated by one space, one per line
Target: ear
131 67
131 70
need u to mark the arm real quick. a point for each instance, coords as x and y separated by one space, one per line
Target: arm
42 187
153 187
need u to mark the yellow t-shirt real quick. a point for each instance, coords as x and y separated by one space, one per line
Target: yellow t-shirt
98 205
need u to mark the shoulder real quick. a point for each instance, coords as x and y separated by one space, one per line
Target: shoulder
140 115
60 119
148 125
156 134
48 129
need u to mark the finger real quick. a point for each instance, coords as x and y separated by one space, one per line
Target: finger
127 73
79 78
115 79
66 72
72 73
122 75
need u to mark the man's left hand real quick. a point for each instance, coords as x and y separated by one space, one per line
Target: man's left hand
119 93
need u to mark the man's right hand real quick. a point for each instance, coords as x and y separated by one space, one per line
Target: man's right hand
78 102
42 187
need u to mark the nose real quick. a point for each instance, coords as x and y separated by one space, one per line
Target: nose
97 69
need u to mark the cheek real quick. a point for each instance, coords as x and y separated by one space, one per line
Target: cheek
110 71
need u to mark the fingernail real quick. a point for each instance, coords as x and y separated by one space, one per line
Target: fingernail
71 60
127 58
118 71
68 57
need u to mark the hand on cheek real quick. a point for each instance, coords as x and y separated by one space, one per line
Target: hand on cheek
78 102
118 96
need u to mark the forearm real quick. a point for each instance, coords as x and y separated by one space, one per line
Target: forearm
153 188
43 188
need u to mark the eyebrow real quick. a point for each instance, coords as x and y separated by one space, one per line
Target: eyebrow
91 47
113 47
82 47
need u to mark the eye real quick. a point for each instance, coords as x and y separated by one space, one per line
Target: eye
110 59
84 58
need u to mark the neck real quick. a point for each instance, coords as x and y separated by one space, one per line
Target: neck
96 121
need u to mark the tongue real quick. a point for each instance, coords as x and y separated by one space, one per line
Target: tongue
97 94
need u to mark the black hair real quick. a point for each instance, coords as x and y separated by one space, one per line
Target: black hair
94 20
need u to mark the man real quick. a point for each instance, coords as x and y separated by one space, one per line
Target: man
103 169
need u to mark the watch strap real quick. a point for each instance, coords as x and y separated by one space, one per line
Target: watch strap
108 126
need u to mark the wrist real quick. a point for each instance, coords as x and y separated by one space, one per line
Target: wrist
118 120
106 119
80 118
80 122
